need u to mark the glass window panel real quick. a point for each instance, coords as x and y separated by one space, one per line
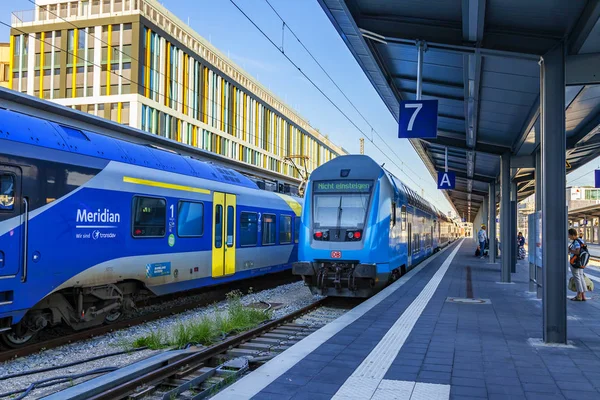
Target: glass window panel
190 219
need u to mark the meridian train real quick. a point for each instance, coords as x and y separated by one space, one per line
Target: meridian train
363 228
89 222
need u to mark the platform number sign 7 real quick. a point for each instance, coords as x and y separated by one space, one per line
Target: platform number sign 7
418 119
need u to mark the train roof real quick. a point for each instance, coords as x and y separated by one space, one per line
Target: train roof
18 127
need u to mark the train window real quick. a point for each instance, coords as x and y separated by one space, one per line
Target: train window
248 229
230 224
190 219
297 229
393 219
403 216
269 229
219 226
149 217
285 229
7 192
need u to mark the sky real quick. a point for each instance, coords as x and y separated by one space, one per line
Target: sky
228 30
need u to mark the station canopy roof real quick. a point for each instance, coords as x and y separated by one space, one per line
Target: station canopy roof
482 65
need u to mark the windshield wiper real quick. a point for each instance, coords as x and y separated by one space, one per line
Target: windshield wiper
339 219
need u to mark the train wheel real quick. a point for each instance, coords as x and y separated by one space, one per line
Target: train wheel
14 340
113 316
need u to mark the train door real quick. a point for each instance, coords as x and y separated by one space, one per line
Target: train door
409 241
223 255
13 249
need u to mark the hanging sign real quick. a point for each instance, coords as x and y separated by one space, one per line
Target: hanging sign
446 180
418 119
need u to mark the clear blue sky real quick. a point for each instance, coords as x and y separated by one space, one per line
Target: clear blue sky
228 30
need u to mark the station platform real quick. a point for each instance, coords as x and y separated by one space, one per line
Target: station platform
417 339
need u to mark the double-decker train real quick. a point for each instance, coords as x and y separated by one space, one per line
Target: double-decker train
89 222
362 228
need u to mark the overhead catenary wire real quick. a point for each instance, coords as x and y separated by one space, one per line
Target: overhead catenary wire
321 91
373 130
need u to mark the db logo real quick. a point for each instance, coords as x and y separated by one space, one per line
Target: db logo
336 254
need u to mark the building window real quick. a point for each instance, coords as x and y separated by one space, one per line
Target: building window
269 229
285 229
149 217
248 229
190 219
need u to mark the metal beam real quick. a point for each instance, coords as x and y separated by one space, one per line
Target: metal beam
506 236
444 140
434 82
492 222
554 211
590 127
584 26
522 162
528 125
473 18
582 69
476 177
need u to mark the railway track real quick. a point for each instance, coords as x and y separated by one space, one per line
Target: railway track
208 297
198 373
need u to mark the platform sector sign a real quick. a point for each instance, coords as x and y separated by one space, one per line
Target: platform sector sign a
446 180
418 119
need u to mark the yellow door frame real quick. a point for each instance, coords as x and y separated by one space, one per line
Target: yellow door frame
224 234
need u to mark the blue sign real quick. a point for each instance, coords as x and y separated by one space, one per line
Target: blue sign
418 119
446 180
597 178
158 269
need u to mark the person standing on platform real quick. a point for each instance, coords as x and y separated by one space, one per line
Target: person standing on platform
482 238
576 269
521 244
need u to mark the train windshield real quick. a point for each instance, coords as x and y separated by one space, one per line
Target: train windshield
347 210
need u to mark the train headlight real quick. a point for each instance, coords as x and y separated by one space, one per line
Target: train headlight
350 235
318 235
357 235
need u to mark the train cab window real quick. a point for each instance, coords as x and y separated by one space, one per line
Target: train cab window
7 192
230 225
285 229
149 218
248 229
403 216
296 229
269 229
190 219
219 226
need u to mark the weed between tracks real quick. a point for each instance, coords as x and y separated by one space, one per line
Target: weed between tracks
207 330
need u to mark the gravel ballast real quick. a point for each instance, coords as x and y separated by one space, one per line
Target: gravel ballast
292 297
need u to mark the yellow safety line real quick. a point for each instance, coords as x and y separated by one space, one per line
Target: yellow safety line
164 185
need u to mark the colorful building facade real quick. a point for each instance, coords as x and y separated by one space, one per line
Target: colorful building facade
134 62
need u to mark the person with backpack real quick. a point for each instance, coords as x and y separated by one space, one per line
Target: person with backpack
481 238
579 257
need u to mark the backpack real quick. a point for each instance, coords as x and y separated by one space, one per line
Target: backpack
581 260
477 252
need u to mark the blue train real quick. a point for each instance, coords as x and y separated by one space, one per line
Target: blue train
362 228
89 223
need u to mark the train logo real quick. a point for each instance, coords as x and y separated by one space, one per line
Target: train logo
336 254
96 234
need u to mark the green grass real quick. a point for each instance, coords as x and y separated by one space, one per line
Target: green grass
207 330
154 340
